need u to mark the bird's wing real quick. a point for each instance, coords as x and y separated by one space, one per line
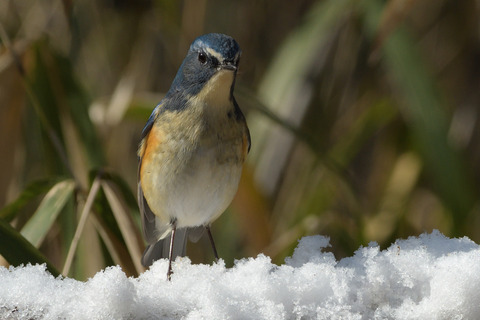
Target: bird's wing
240 117
148 217
151 120
150 231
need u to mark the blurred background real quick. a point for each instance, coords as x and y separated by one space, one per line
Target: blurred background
364 118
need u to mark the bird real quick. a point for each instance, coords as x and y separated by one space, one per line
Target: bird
192 151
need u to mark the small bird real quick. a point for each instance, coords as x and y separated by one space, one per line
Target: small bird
192 151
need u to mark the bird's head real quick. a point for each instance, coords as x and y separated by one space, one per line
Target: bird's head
209 67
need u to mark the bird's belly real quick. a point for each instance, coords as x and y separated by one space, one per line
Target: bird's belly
196 191
203 191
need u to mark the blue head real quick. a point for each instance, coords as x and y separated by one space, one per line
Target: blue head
208 55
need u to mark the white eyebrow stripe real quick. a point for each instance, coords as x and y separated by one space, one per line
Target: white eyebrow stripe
215 54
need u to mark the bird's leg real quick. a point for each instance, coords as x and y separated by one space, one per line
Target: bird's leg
170 252
212 242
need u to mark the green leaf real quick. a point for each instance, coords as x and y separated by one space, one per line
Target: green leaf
40 223
33 190
17 250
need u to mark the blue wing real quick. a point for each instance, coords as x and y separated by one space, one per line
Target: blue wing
151 120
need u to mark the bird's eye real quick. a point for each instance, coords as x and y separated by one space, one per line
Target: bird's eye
202 57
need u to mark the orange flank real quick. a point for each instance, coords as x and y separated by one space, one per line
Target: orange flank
150 146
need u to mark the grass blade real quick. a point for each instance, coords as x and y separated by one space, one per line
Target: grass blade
126 224
286 87
17 250
425 110
40 223
77 102
33 190
81 224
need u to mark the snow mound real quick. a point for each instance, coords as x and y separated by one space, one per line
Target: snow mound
425 277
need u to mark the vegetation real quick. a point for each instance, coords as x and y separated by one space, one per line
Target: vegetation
363 114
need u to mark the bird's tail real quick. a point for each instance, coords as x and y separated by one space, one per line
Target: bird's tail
161 248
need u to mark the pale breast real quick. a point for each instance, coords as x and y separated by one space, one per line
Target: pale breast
204 189
193 174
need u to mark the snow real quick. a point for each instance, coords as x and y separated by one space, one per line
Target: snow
425 277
